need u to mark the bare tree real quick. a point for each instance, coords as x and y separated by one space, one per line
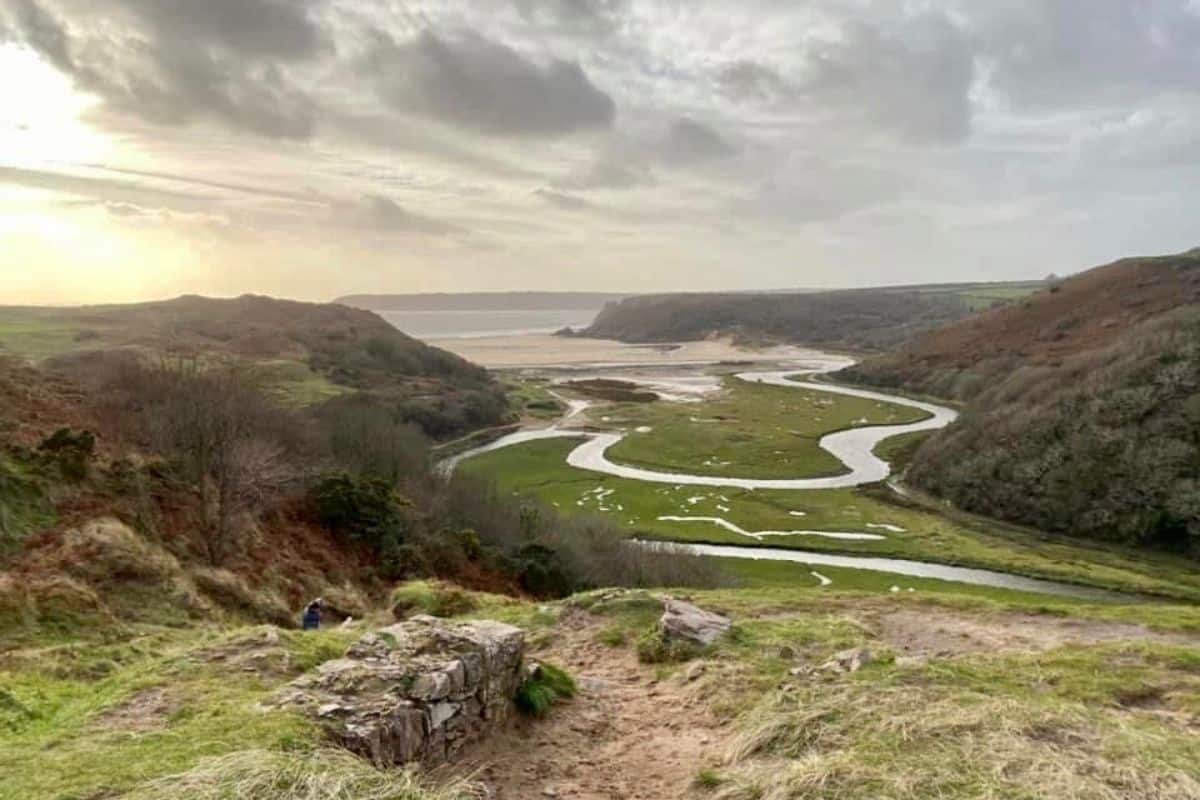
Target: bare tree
222 434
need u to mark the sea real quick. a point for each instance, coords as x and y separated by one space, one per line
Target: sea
481 323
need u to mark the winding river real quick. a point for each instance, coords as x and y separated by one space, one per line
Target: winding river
853 447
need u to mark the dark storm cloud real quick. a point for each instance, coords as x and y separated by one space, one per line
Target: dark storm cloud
481 85
171 62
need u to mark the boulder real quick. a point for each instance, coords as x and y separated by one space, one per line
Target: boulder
416 691
688 624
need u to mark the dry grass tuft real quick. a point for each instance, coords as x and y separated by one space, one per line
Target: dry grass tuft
898 742
319 775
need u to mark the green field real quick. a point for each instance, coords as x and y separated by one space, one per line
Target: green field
749 430
37 334
539 470
982 296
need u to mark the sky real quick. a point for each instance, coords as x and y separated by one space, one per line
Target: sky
315 148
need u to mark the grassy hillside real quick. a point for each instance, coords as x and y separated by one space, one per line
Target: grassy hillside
1083 405
866 319
304 353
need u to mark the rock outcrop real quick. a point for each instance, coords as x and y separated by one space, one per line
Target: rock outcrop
685 623
416 691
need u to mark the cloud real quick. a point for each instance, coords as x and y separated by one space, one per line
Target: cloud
1051 54
381 214
303 196
609 171
912 78
578 17
1162 135
567 202
747 80
173 62
484 86
691 142
812 191
103 189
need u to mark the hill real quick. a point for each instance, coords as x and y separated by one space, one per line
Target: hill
482 301
1082 404
860 319
306 353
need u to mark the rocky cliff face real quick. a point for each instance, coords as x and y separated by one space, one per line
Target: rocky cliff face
416 691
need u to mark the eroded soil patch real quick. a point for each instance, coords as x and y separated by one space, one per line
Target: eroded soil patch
626 736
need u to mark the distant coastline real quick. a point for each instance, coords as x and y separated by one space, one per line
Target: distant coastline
484 301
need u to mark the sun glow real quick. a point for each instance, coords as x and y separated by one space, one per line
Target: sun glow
42 115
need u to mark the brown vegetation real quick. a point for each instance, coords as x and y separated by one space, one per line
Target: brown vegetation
867 319
1082 405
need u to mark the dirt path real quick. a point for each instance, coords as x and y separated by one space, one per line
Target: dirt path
626 736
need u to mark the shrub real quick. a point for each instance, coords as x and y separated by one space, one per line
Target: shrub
365 510
70 452
435 598
542 572
545 686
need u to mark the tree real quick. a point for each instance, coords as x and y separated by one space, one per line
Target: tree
222 435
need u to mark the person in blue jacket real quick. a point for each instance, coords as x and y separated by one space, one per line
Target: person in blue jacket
312 615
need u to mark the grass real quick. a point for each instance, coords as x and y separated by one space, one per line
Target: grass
37 335
432 597
545 687
1013 725
1108 721
319 775
538 469
531 397
24 504
293 384
92 718
750 430
654 648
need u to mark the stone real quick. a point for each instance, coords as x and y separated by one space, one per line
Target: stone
690 624
849 660
416 691
694 671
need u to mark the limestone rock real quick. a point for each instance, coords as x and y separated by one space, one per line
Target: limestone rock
416 691
684 622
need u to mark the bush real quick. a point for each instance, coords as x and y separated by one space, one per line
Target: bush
366 510
435 598
367 438
70 452
545 686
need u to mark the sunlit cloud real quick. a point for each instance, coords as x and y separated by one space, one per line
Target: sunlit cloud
315 148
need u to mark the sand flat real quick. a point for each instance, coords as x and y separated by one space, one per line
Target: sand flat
547 350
